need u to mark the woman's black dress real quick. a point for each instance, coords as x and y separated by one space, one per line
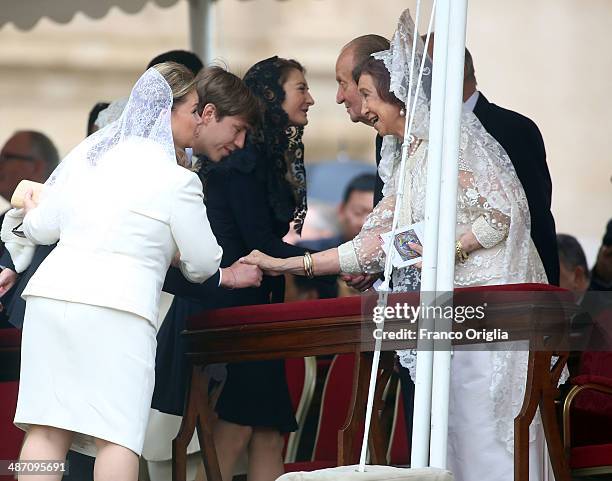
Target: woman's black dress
240 214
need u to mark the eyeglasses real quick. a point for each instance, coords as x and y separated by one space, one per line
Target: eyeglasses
9 156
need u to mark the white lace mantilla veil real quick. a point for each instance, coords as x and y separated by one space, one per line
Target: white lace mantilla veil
106 162
490 186
146 119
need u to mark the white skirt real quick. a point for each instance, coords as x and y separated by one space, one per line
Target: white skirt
86 369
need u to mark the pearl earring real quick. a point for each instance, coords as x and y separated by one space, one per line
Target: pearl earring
402 113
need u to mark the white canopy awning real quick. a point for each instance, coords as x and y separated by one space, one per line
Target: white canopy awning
25 14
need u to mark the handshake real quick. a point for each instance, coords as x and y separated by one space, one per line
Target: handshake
236 276
239 276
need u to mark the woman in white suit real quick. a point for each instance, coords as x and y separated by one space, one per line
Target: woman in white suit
122 209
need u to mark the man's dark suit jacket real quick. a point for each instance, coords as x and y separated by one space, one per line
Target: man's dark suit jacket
522 141
14 305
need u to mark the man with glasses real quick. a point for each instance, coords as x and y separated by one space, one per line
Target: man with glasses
26 155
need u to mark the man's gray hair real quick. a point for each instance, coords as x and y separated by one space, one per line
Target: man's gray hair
364 46
571 253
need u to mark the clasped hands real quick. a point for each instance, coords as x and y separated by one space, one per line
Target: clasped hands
273 266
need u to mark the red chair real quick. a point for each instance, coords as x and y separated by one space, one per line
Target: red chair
12 437
301 378
335 402
587 418
286 330
398 453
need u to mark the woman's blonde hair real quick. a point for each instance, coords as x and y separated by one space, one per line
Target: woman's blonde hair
182 82
180 79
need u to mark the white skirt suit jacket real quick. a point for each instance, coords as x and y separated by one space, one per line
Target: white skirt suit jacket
88 344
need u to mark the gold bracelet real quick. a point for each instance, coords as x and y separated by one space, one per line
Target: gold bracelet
308 265
312 269
305 261
309 270
460 253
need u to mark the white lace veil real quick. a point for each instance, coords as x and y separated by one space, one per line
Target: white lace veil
142 134
146 116
485 170
145 124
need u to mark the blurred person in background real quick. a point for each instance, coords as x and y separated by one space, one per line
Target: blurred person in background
357 203
92 125
591 343
184 57
573 269
601 276
27 154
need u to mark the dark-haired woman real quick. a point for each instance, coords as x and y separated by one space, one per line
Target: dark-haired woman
252 196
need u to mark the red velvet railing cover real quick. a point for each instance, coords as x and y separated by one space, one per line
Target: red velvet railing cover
340 307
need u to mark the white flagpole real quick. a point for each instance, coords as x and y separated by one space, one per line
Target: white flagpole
423 383
447 225
384 288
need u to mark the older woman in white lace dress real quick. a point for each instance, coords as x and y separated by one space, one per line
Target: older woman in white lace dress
493 244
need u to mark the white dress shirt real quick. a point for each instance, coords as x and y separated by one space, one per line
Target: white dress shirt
469 104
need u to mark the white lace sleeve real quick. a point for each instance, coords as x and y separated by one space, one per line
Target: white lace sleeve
492 225
364 254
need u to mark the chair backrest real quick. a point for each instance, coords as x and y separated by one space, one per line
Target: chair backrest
301 374
598 364
335 402
592 411
398 452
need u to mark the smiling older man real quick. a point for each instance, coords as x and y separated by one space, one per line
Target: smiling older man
351 55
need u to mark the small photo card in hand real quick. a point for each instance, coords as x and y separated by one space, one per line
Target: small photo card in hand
403 254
